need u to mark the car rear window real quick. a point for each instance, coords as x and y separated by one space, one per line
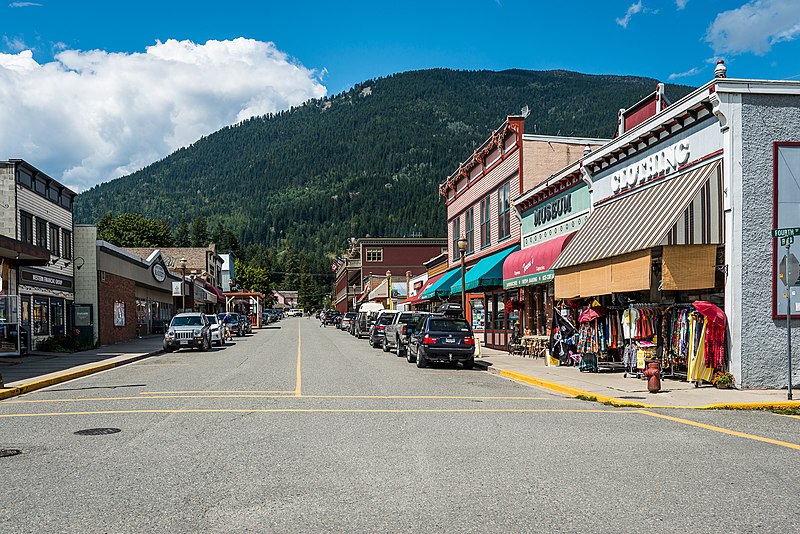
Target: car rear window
448 325
386 318
406 317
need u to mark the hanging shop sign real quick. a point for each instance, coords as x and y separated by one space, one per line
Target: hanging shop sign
44 279
159 273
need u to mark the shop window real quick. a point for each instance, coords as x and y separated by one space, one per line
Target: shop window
374 255
55 237
503 212
486 226
66 245
470 230
41 320
57 316
26 227
41 233
456 235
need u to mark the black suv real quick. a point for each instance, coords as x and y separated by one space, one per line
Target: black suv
442 338
236 323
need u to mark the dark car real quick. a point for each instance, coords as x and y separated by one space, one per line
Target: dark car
377 331
236 324
397 333
443 338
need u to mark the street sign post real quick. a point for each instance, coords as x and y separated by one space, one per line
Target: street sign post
789 272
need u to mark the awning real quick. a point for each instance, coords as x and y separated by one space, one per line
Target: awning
685 210
441 288
210 297
487 273
531 265
216 291
416 299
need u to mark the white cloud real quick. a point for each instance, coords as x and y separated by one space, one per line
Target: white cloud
15 44
90 116
24 4
755 27
690 72
633 10
681 3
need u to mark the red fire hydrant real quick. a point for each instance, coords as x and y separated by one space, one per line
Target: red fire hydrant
653 375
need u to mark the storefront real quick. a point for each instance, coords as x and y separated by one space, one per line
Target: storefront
674 263
550 217
45 303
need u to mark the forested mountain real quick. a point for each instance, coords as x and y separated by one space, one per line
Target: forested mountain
364 162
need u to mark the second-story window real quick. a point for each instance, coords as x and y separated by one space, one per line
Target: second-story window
66 244
503 212
55 235
374 255
41 232
26 227
486 223
469 231
456 235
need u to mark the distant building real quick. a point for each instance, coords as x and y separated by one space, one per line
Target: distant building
228 274
371 257
285 299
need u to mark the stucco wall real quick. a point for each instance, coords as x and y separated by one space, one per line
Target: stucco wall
765 119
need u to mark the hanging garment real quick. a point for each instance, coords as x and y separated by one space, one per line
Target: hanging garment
697 369
715 346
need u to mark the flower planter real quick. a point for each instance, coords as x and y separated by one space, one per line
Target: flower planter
722 386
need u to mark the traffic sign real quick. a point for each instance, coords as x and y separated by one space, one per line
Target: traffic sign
786 241
789 270
785 232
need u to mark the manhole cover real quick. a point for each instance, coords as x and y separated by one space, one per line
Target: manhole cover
9 452
97 431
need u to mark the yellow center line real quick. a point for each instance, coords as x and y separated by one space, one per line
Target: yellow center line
308 410
298 390
286 396
721 430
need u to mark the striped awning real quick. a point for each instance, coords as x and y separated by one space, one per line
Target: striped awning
685 209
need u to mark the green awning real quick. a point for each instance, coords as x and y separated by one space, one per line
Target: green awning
487 273
441 288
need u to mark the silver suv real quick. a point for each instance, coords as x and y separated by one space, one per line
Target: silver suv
188 330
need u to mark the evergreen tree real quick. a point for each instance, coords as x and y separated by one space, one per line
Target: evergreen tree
134 230
199 236
182 234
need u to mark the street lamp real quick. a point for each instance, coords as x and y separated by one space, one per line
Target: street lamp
183 281
389 289
462 248
355 296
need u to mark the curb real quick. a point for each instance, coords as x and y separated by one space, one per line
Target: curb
6 393
622 403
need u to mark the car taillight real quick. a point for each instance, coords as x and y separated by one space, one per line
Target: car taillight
469 340
405 329
427 340
380 327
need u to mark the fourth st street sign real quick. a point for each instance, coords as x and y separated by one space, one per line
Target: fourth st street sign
785 232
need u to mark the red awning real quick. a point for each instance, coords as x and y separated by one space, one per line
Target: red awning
416 299
532 265
217 292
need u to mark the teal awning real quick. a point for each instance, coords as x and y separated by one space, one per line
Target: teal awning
441 288
487 273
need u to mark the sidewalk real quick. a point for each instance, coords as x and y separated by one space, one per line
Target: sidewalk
41 369
612 388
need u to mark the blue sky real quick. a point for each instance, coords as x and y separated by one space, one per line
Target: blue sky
335 44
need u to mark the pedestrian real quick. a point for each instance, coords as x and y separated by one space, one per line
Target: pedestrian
226 324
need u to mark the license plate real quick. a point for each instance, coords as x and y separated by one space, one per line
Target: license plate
449 340
184 341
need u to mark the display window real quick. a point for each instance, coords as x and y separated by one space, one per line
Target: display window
41 319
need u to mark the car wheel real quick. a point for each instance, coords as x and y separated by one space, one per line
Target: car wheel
468 364
421 361
385 346
169 349
410 358
401 351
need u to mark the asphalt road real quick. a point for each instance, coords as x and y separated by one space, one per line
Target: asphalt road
301 428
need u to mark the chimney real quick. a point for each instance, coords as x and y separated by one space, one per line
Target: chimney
721 71
586 150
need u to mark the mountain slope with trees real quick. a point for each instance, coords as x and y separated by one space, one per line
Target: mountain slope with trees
365 162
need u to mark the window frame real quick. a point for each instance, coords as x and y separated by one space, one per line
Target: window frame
23 218
456 235
486 221
469 230
503 212
66 244
54 239
41 223
373 254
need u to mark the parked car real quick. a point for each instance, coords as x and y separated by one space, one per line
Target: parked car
248 324
188 330
442 338
332 318
217 336
235 323
367 313
295 312
377 331
347 320
397 333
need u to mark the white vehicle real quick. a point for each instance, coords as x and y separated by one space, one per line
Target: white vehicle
217 336
295 312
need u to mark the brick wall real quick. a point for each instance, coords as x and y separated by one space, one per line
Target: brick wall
542 159
114 289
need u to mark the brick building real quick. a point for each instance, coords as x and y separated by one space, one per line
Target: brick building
371 257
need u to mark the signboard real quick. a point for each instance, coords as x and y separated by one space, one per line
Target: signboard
785 232
159 273
33 277
177 289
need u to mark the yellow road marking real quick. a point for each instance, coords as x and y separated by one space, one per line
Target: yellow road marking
309 410
287 396
788 415
721 430
298 390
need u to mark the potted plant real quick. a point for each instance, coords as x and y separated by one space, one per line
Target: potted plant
722 380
